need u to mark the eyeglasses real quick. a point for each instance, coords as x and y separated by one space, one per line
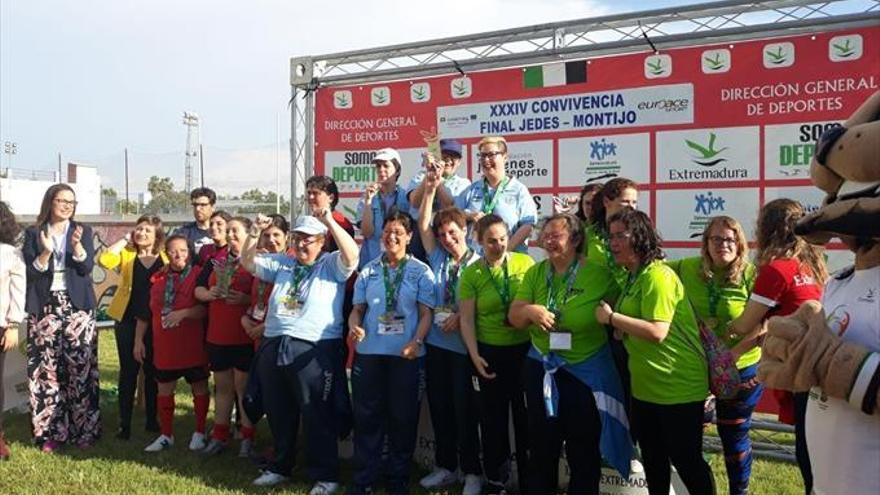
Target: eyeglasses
619 236
488 155
65 202
718 240
200 205
304 240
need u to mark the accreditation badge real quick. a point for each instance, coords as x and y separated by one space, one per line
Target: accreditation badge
58 278
560 340
290 306
391 323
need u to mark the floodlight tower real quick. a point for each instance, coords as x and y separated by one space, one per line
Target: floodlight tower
191 121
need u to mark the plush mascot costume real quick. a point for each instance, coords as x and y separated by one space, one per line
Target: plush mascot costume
834 351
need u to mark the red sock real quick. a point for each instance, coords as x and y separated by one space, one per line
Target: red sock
200 405
165 404
221 432
247 432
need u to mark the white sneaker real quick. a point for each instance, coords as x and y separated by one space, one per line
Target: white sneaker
160 444
324 488
473 485
268 478
635 467
439 478
198 441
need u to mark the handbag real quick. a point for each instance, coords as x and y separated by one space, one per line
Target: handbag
724 379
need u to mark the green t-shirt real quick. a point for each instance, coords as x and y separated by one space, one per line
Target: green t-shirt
597 252
731 302
673 371
578 312
476 283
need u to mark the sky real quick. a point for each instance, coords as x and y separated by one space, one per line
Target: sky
90 78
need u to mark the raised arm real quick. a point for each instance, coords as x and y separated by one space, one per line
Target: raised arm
348 248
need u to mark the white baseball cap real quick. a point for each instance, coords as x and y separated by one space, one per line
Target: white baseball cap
307 224
387 154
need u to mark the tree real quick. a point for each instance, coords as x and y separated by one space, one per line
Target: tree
164 198
257 201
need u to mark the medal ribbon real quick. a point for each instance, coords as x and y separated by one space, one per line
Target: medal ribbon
714 297
301 273
451 273
490 205
171 287
503 289
553 301
392 286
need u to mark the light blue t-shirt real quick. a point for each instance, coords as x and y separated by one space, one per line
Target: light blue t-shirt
515 206
454 185
439 260
417 286
322 291
372 246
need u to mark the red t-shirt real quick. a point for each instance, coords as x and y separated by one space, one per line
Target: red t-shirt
784 285
182 346
210 252
224 319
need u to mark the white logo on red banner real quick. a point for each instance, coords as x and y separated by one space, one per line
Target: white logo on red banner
380 96
658 66
778 55
420 92
845 48
342 99
715 61
461 87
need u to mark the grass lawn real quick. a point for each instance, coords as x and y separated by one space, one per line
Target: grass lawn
115 466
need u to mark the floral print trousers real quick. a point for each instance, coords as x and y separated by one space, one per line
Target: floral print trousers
62 349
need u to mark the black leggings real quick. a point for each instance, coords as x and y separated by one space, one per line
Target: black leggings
128 374
672 433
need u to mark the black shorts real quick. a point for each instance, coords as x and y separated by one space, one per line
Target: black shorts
191 375
225 357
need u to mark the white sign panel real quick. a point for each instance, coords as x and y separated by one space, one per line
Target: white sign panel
683 213
626 155
353 170
700 155
652 105
789 149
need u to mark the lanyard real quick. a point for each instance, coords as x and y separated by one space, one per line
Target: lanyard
503 289
171 286
714 297
301 273
609 256
392 286
386 205
451 272
554 302
489 206
261 291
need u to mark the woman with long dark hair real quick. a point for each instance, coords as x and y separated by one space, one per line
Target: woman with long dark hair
790 272
12 283
139 254
62 341
667 362
218 248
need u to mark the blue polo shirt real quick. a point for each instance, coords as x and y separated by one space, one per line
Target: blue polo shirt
322 291
417 286
515 206
439 261
372 246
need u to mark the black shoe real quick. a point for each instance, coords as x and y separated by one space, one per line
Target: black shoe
123 433
152 427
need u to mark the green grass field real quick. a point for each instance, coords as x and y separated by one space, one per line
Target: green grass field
115 466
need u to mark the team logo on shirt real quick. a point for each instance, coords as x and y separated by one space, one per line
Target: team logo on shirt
838 321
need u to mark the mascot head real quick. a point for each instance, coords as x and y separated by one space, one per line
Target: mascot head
846 166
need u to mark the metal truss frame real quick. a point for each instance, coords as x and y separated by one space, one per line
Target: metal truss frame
731 20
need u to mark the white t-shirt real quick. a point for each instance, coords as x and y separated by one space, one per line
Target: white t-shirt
844 442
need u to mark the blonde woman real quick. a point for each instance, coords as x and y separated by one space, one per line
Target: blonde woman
718 284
